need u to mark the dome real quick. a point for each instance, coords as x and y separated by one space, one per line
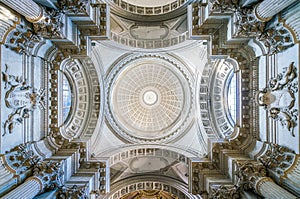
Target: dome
148 99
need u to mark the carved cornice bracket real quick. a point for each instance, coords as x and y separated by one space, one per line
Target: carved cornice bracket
73 6
224 192
49 26
78 192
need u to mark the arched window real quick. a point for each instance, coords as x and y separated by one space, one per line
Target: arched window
67 98
232 97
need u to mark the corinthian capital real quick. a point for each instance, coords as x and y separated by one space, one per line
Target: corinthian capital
277 158
20 158
49 173
249 173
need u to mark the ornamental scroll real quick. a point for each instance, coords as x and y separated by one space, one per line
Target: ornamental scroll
278 98
21 98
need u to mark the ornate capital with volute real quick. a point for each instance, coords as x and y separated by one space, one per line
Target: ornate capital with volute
277 158
49 173
20 158
249 173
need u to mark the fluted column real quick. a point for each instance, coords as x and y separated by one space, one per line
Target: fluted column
268 8
46 175
29 189
267 188
252 176
28 8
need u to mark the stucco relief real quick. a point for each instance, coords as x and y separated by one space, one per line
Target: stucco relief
278 98
21 98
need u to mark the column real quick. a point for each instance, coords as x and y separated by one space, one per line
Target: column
29 189
28 8
267 188
252 176
268 8
47 175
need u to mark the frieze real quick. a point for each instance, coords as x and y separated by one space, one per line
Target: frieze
278 98
21 98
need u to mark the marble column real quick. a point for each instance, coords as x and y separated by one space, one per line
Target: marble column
47 175
28 8
268 8
267 188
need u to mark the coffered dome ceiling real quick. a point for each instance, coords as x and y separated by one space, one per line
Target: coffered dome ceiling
149 98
